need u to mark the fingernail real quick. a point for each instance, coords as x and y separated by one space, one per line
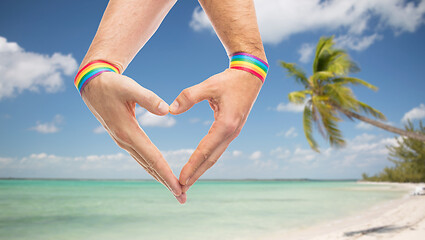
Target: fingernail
163 107
174 106
187 181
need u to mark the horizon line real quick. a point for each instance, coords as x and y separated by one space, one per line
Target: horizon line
202 180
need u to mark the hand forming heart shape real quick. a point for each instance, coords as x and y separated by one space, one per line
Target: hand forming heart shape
112 99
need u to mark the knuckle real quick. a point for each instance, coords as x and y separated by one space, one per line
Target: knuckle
152 165
141 163
237 132
211 161
230 126
187 95
122 136
154 162
203 154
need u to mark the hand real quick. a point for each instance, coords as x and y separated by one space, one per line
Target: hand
231 95
112 99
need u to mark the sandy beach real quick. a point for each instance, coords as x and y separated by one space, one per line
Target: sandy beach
401 219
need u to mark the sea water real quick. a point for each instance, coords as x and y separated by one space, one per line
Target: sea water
124 210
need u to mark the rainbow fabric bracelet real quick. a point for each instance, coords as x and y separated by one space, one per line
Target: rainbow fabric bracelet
90 71
249 63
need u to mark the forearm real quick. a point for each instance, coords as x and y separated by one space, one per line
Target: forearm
125 28
236 25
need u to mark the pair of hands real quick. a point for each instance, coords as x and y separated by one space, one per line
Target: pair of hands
112 98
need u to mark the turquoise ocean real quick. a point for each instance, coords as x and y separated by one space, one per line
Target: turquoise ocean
229 210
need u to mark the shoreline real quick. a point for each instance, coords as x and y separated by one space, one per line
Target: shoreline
398 219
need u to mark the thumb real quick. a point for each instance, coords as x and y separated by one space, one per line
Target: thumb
149 100
189 97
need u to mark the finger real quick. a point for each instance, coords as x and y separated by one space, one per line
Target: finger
206 164
210 148
182 198
190 96
142 162
147 99
155 161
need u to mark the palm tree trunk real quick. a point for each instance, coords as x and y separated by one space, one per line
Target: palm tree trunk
409 134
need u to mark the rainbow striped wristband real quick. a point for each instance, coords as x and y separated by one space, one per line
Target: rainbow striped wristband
250 63
90 71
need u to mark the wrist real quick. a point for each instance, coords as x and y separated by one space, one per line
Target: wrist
249 63
120 65
258 53
92 70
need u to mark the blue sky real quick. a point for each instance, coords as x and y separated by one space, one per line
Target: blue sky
47 131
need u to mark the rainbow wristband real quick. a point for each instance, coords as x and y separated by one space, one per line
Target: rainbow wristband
90 71
250 63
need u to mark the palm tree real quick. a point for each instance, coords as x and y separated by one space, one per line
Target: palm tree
327 97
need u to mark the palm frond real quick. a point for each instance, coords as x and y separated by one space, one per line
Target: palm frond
339 62
370 110
316 119
299 96
323 75
297 73
341 95
319 77
329 58
329 121
308 130
322 46
354 81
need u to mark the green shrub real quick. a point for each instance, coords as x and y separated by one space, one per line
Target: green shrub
408 156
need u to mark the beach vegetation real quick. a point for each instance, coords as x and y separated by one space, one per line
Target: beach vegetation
408 157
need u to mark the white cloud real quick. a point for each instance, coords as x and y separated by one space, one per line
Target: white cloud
415 113
358 43
266 165
6 46
117 165
291 133
367 148
306 52
177 158
21 70
290 107
207 122
364 153
194 120
280 19
256 155
41 156
69 165
364 126
303 156
100 129
367 126
363 138
5 161
50 127
200 20
280 153
147 119
237 153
